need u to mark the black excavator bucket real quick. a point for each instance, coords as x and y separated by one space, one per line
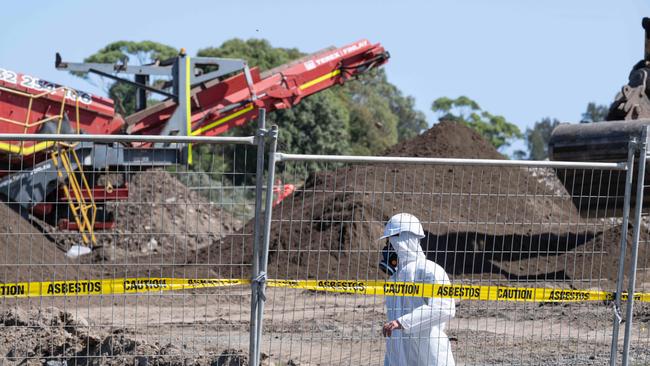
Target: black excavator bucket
606 141
596 192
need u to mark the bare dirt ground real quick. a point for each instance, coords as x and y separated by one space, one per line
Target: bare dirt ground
210 327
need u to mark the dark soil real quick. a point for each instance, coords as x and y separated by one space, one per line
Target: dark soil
494 223
27 254
160 216
161 222
584 259
50 336
447 140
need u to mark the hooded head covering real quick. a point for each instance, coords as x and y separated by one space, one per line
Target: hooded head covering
403 222
408 248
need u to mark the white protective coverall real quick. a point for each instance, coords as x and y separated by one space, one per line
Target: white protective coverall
422 341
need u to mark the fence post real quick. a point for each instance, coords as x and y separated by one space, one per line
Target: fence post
621 267
253 347
264 249
643 144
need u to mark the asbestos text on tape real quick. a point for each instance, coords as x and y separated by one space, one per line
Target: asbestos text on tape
359 287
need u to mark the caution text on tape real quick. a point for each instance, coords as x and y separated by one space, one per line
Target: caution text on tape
372 288
467 292
109 286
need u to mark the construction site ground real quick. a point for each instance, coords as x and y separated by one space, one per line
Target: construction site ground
200 328
211 326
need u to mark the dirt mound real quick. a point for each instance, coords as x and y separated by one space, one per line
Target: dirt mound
60 338
328 228
447 140
28 254
161 215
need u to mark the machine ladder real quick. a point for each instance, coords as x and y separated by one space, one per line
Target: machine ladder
78 193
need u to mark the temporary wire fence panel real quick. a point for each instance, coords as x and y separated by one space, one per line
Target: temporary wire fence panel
120 304
639 336
507 227
168 279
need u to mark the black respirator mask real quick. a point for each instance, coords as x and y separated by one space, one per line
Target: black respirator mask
388 262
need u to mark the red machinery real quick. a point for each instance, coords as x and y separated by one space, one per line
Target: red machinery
206 105
31 105
218 105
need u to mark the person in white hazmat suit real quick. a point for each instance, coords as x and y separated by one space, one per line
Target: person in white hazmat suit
414 332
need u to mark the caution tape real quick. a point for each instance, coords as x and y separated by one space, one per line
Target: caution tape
109 286
372 288
466 292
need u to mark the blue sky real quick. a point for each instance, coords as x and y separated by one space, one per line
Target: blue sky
523 59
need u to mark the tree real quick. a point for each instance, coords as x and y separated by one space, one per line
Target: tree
537 138
594 113
496 129
365 116
380 114
318 125
411 122
128 51
258 52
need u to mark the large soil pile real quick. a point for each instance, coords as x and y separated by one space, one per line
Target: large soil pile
28 254
484 216
161 215
447 140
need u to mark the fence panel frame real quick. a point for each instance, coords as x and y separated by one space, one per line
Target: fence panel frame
638 208
627 166
262 228
621 270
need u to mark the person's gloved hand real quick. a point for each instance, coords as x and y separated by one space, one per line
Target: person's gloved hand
389 327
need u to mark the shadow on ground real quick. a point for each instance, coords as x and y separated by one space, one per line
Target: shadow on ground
465 253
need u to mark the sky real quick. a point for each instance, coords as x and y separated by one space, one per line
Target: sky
525 60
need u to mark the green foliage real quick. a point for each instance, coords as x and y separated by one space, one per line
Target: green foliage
125 51
318 125
461 105
411 122
365 116
496 129
380 115
124 97
138 53
315 126
258 52
537 138
595 113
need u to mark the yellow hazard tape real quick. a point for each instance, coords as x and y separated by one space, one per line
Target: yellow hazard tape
374 288
467 292
110 286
